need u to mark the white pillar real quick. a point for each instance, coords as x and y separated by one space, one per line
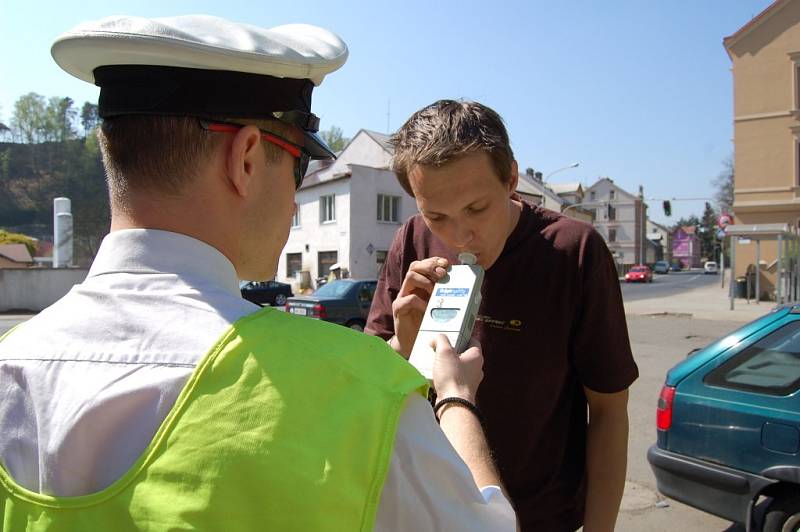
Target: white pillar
62 233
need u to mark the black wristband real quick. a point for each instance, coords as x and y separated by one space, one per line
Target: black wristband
458 401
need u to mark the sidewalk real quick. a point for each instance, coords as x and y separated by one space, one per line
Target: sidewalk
710 303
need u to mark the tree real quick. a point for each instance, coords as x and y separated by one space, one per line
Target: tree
692 220
333 137
30 116
708 232
61 116
89 118
723 184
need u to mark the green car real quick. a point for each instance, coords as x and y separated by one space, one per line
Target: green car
729 426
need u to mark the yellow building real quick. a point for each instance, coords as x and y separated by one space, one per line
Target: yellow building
766 85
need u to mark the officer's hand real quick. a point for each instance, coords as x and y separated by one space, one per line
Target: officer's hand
457 375
408 308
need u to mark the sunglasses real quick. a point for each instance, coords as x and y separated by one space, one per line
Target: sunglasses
295 150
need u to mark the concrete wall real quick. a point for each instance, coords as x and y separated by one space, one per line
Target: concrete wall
365 229
36 288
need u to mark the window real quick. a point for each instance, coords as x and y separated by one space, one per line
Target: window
770 365
326 259
611 194
327 208
366 293
388 208
294 263
592 195
797 161
296 218
380 256
612 213
612 235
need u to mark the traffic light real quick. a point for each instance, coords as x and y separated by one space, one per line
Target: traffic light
667 208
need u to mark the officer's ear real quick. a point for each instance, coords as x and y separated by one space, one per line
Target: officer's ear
243 156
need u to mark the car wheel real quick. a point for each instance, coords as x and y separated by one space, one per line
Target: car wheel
783 514
356 325
280 300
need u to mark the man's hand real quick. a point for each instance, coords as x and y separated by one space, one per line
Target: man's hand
456 375
408 308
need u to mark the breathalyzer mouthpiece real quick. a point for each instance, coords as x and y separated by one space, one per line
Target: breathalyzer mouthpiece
467 258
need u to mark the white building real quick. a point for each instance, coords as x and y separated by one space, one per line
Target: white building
347 213
662 237
621 218
532 190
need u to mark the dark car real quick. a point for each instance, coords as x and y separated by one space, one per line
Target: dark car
661 266
639 274
344 301
729 426
676 267
266 292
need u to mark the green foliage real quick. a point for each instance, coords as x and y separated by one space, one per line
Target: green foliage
30 114
18 238
89 118
723 184
52 161
333 137
709 244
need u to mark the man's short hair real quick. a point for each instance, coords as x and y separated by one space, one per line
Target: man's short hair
162 153
447 130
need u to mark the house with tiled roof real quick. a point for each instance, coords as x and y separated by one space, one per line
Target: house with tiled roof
15 256
686 247
348 211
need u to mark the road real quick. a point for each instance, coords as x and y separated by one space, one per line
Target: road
658 343
667 285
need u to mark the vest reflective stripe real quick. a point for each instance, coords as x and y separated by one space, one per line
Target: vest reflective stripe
287 424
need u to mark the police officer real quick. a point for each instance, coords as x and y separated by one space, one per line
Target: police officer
152 396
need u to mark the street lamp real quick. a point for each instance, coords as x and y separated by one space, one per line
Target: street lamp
573 165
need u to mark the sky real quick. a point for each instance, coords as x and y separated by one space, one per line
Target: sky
638 91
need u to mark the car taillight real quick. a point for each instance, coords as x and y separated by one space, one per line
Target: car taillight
664 410
319 311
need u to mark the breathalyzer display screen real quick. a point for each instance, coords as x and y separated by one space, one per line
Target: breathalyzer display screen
443 315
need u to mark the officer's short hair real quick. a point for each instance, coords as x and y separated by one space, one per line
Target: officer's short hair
163 153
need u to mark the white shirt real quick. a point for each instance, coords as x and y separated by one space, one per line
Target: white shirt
85 384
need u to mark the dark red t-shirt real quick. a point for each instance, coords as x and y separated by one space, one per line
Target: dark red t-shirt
551 321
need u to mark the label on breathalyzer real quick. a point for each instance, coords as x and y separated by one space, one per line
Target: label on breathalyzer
452 292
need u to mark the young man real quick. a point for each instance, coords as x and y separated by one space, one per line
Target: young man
551 322
152 397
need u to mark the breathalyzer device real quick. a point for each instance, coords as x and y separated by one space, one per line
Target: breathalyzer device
451 311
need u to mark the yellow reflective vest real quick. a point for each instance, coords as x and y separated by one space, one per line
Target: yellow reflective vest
287 424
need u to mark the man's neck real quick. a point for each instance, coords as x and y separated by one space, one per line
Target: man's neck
196 222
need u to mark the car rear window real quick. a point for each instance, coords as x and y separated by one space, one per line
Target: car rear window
333 289
770 366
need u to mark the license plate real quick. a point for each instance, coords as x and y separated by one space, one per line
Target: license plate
298 311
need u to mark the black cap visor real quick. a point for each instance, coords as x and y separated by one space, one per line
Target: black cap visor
161 90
